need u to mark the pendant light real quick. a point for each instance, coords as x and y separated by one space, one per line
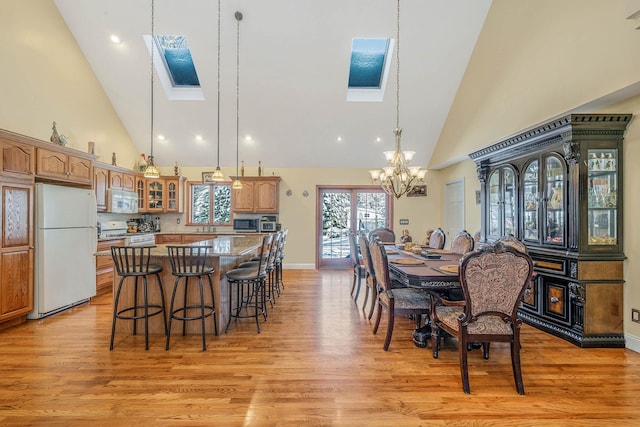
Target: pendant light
398 178
237 185
217 174
151 171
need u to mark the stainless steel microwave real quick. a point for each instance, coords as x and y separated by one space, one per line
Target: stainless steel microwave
246 225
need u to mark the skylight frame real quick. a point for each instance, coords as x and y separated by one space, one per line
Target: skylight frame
174 93
372 94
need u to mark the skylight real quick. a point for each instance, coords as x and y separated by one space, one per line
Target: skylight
177 58
368 69
175 67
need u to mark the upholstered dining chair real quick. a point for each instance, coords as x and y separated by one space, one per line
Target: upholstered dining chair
493 280
437 239
359 272
510 240
462 243
386 235
370 275
394 300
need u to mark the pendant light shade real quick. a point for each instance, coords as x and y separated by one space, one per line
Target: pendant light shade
237 184
151 171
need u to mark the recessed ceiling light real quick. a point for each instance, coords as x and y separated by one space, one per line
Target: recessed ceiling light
161 137
378 139
199 138
248 138
339 139
115 39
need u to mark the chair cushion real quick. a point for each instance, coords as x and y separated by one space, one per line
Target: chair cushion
448 316
407 299
243 274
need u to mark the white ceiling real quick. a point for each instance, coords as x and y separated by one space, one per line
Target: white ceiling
294 59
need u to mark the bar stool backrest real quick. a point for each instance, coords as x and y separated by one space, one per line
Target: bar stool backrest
132 260
189 260
262 262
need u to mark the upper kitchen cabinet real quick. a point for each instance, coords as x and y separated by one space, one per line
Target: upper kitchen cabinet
258 195
120 180
164 194
558 187
18 159
100 186
66 165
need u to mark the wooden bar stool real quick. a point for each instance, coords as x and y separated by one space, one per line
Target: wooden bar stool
133 261
187 262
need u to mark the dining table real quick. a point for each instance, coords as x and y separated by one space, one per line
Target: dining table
432 270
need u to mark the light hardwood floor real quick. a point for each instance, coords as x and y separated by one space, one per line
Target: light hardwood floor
316 362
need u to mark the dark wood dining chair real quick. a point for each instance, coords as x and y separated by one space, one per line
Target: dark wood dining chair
385 234
359 272
462 243
370 275
394 300
437 239
493 280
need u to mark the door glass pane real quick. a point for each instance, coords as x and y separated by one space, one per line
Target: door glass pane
510 211
372 210
336 223
494 204
602 196
555 196
531 201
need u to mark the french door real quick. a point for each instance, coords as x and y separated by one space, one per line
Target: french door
344 209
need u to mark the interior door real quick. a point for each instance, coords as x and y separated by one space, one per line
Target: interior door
345 209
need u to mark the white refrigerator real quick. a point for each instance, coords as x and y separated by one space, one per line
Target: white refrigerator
66 242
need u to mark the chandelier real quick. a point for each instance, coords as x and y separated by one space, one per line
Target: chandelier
398 178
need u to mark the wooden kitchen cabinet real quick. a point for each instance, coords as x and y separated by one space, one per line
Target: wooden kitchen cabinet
61 166
164 194
122 181
182 238
258 195
168 238
104 267
18 159
100 187
558 188
16 252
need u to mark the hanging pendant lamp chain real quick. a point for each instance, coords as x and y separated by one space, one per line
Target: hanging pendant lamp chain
398 68
152 65
218 160
238 16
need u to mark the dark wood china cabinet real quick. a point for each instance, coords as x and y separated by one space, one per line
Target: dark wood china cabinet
558 187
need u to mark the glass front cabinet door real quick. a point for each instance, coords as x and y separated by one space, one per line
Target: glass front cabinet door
502 200
602 194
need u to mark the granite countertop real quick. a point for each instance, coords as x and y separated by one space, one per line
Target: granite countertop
222 246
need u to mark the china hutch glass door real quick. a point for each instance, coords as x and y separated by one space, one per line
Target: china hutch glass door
531 191
554 190
502 203
602 208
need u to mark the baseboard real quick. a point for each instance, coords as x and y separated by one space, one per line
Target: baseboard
299 266
632 343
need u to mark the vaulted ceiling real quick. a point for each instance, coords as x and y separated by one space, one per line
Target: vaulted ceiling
294 65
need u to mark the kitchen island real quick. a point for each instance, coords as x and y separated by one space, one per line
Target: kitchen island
227 253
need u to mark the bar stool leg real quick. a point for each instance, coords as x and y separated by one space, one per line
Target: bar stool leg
213 304
115 311
173 298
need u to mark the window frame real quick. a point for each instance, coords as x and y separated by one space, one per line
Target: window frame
190 185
